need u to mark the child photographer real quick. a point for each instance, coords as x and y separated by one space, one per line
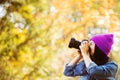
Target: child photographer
93 64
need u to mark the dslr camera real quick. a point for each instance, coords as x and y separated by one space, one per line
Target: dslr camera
75 43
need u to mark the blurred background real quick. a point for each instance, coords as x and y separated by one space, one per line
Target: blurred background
34 35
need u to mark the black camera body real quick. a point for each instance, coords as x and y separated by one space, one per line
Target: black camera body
75 44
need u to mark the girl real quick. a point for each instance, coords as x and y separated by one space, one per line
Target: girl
96 64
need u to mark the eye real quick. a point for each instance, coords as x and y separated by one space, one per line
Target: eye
91 42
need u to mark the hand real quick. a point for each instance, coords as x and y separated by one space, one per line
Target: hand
76 59
79 53
84 47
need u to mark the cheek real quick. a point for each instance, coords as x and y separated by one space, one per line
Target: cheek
92 49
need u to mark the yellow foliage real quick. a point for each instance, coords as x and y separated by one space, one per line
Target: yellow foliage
39 49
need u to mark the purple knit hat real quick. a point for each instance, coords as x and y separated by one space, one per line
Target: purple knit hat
104 42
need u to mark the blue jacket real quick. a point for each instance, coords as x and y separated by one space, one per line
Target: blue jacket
107 71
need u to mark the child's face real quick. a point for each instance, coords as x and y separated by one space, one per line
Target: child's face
92 47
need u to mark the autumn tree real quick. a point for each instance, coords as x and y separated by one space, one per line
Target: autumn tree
34 34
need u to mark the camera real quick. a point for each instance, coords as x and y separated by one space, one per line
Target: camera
75 44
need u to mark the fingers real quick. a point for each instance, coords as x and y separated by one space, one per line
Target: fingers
79 51
84 43
84 46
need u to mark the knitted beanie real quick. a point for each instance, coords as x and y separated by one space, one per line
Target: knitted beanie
104 42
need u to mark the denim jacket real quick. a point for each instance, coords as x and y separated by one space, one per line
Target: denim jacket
107 71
